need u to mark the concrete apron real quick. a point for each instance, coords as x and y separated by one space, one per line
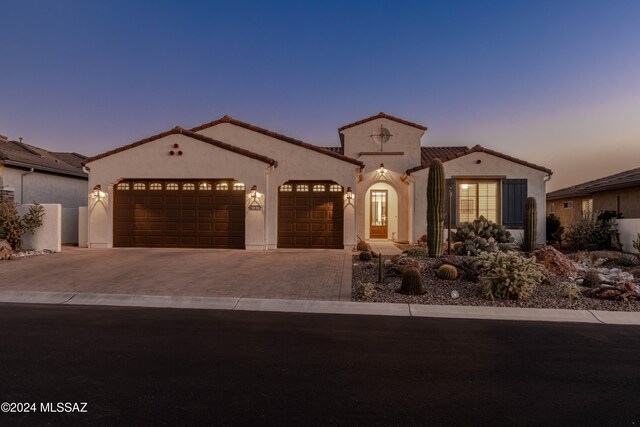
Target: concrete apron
323 307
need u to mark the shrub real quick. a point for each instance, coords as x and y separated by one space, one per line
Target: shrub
411 282
554 230
592 233
365 290
447 272
13 225
479 236
363 246
417 252
508 275
571 290
365 256
629 260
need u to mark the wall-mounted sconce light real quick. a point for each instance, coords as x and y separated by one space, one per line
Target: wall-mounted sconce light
254 192
382 170
349 194
97 192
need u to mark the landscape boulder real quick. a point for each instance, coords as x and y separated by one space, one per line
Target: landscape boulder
555 262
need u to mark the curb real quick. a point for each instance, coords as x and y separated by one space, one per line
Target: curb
323 307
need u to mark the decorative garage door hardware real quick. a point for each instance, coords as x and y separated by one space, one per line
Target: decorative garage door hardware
203 213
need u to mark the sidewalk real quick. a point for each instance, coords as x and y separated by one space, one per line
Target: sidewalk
325 307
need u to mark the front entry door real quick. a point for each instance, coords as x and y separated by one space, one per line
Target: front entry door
379 228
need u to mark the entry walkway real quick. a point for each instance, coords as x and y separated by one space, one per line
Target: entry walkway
384 247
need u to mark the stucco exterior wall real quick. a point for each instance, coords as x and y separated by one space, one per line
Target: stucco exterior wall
626 200
46 188
404 139
48 235
489 166
629 229
568 216
294 163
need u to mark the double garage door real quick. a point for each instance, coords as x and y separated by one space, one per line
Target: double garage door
179 214
208 213
310 215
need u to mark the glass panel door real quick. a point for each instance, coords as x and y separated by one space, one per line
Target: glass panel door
378 227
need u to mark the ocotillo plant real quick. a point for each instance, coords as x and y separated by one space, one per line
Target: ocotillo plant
435 208
530 224
380 269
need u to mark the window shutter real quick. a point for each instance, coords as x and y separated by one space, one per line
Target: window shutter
450 183
514 196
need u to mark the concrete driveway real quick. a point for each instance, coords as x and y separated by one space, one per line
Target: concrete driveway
282 274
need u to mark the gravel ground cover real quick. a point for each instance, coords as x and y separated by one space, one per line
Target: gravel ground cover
438 291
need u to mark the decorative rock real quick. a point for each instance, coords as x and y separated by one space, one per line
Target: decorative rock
555 262
6 252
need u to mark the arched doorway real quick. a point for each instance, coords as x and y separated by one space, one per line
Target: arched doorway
381 212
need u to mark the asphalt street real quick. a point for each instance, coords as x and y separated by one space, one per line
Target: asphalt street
181 367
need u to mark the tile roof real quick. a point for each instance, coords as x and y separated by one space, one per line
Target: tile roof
382 115
28 156
449 153
626 179
190 134
299 143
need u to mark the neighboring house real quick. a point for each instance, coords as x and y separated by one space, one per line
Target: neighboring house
230 184
619 192
29 174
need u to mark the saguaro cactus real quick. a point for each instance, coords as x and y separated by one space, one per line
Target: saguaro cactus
530 224
435 208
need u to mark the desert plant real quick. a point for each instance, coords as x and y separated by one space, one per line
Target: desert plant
504 247
13 225
481 235
363 246
365 256
509 275
591 279
629 260
365 290
571 290
380 269
554 230
530 224
447 272
417 252
591 233
435 208
412 282
636 243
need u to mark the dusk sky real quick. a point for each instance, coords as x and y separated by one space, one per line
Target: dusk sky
556 83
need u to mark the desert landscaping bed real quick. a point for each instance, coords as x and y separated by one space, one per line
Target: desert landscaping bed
439 292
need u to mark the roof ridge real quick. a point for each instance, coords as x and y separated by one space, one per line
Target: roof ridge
382 115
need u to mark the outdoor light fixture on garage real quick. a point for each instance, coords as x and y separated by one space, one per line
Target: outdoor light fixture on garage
254 205
254 191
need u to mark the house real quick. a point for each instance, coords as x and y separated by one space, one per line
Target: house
619 192
29 174
230 184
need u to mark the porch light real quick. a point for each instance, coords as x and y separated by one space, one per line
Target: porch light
349 194
382 170
254 192
97 192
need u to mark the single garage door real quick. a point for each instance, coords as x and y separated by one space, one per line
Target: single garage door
201 213
310 215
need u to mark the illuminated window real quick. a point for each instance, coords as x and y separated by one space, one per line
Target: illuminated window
552 207
286 188
318 187
172 186
587 208
335 188
476 199
155 186
205 186
123 186
139 186
222 186
568 205
189 186
302 187
238 186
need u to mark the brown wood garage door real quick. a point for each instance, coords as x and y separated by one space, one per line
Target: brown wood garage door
179 213
310 215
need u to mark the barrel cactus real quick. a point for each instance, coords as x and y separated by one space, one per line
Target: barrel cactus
447 272
365 256
530 224
435 208
412 282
